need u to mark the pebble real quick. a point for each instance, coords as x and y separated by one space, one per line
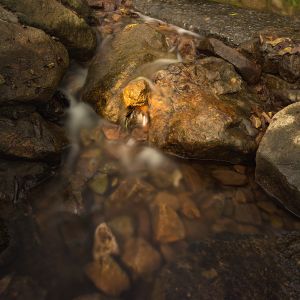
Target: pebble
108 276
167 225
140 257
104 242
99 183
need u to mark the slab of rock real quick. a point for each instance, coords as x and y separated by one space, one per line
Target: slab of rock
55 19
234 268
277 159
231 24
113 69
203 112
31 62
25 134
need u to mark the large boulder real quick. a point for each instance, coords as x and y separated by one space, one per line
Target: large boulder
234 268
112 69
202 112
55 19
31 62
277 159
231 24
25 134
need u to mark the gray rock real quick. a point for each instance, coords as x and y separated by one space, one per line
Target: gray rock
234 268
231 24
31 63
277 159
55 19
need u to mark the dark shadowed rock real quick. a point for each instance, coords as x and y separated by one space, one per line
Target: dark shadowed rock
25 134
31 63
112 69
54 18
23 288
231 24
277 159
234 268
203 112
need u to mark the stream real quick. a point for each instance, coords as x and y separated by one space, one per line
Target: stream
120 210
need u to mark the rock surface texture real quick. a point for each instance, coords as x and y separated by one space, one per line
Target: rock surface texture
55 19
277 159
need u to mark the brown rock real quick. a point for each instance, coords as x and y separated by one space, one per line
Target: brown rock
108 276
229 177
104 242
141 257
122 226
188 207
165 198
167 225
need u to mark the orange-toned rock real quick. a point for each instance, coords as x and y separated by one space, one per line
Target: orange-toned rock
167 225
141 257
135 93
188 207
165 198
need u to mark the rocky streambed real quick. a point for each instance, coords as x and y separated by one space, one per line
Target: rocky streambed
149 150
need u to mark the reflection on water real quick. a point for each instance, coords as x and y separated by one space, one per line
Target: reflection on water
285 7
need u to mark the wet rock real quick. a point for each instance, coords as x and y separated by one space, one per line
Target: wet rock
112 70
131 192
230 177
31 63
277 159
165 198
55 19
23 288
188 207
228 23
135 94
16 179
99 183
167 226
179 117
141 257
104 242
233 268
81 7
122 226
25 134
108 276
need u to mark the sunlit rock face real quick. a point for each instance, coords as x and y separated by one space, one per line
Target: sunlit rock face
55 19
277 159
116 66
201 112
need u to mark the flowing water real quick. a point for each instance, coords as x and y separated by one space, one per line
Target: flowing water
110 177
